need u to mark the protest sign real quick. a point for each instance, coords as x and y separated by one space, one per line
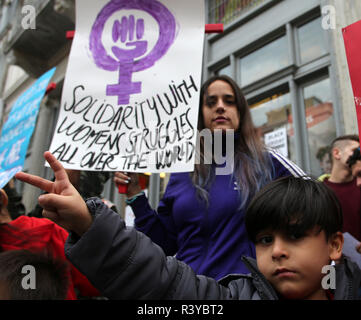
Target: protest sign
131 92
19 127
277 140
351 37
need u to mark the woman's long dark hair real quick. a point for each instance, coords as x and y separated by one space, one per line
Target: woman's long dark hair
252 166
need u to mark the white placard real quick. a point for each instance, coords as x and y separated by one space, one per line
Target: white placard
277 140
131 93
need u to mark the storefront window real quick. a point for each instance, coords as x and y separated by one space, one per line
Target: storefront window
312 42
321 125
273 119
264 61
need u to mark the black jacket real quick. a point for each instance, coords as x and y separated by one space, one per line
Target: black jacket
125 264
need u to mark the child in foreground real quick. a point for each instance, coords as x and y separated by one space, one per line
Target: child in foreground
295 224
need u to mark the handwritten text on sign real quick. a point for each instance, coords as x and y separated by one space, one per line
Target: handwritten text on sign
131 93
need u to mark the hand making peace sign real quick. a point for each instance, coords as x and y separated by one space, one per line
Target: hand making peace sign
63 204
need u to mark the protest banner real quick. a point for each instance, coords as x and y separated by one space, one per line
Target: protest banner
18 129
351 37
131 92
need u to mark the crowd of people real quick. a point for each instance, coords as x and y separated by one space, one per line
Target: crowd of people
266 230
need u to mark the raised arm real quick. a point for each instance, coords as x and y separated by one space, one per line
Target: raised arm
125 264
63 204
121 262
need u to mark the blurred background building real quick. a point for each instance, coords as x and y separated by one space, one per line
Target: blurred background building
287 56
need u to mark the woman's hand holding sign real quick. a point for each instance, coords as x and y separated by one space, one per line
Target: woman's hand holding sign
63 204
131 180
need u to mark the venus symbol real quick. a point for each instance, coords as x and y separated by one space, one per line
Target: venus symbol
129 33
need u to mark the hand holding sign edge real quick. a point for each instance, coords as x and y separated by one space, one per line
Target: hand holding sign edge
63 204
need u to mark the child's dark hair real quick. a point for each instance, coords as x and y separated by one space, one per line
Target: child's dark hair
51 276
295 206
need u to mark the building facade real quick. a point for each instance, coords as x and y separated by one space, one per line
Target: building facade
289 59
287 56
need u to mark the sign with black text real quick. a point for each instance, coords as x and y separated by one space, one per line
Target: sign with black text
131 93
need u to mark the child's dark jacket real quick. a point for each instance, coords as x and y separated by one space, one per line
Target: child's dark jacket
124 264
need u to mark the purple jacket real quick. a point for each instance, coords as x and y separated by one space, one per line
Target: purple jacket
211 240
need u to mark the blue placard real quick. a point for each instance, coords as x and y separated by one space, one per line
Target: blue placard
19 127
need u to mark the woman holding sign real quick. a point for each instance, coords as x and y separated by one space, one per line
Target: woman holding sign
201 215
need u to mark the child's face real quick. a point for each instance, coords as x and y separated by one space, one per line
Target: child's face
293 264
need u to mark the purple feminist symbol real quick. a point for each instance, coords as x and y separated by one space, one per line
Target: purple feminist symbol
130 32
125 86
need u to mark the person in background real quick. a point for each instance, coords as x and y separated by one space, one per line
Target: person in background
354 162
342 182
200 217
324 156
15 206
25 275
295 224
40 236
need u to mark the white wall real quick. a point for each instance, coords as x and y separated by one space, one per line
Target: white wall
347 12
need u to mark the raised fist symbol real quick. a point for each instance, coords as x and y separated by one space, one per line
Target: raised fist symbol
126 31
